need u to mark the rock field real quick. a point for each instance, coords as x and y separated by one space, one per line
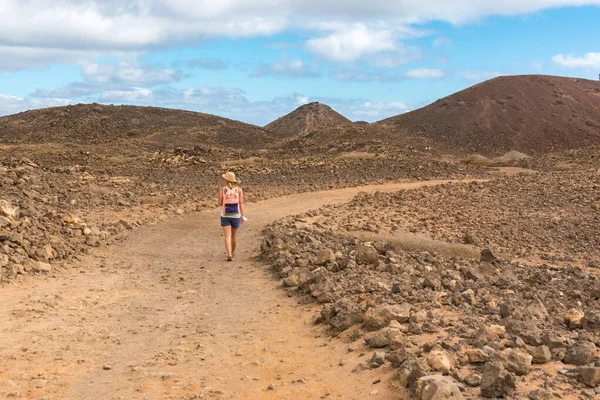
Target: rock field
486 289
68 201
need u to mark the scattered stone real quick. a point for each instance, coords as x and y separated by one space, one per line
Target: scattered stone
539 394
438 387
366 254
378 359
515 360
591 321
472 380
496 381
581 353
324 257
573 318
487 256
590 376
441 361
540 354
380 316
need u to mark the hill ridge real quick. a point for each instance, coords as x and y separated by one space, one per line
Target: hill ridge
528 113
307 117
111 124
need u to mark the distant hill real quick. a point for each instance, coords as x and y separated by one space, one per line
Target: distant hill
305 118
530 113
114 125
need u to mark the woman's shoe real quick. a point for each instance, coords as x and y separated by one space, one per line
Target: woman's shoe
229 258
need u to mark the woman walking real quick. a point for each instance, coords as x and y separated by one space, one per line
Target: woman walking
231 200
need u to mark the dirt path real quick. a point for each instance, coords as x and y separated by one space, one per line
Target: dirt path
163 316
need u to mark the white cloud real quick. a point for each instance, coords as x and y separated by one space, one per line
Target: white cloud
301 100
589 61
351 43
214 64
289 68
442 42
356 76
134 95
13 104
44 32
376 111
129 74
425 73
479 75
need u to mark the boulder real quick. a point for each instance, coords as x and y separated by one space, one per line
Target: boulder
383 337
438 387
540 354
344 314
472 380
573 318
324 256
440 360
7 210
497 381
537 311
366 254
515 360
399 356
378 359
590 376
480 356
487 256
528 331
591 321
380 316
581 353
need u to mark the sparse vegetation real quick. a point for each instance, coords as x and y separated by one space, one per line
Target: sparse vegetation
475 159
512 155
357 155
408 241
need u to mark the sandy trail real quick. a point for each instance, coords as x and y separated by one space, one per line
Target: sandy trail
163 316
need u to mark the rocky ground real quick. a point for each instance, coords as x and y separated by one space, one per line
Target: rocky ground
57 203
405 275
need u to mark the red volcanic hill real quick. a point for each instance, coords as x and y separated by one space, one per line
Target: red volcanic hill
112 125
305 118
530 113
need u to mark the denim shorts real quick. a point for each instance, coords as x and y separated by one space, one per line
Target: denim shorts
233 222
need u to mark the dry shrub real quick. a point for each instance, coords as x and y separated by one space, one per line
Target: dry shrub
416 242
357 155
512 155
476 159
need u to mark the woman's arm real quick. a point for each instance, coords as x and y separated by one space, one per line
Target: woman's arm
242 203
220 198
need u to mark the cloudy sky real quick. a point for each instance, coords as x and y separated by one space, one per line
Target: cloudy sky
255 60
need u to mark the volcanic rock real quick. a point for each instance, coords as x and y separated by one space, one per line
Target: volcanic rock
581 353
438 387
496 381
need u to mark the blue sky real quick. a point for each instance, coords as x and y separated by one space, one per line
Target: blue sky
255 60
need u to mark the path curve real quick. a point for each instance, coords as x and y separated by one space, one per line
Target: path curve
163 316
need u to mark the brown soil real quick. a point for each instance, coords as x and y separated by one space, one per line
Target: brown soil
531 114
161 315
311 116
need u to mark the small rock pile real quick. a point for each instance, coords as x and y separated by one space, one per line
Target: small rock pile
447 325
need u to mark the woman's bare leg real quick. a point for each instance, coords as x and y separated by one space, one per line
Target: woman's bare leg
233 240
227 235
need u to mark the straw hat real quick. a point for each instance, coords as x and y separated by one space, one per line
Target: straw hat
230 177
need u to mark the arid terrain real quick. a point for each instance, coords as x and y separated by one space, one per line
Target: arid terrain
447 253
